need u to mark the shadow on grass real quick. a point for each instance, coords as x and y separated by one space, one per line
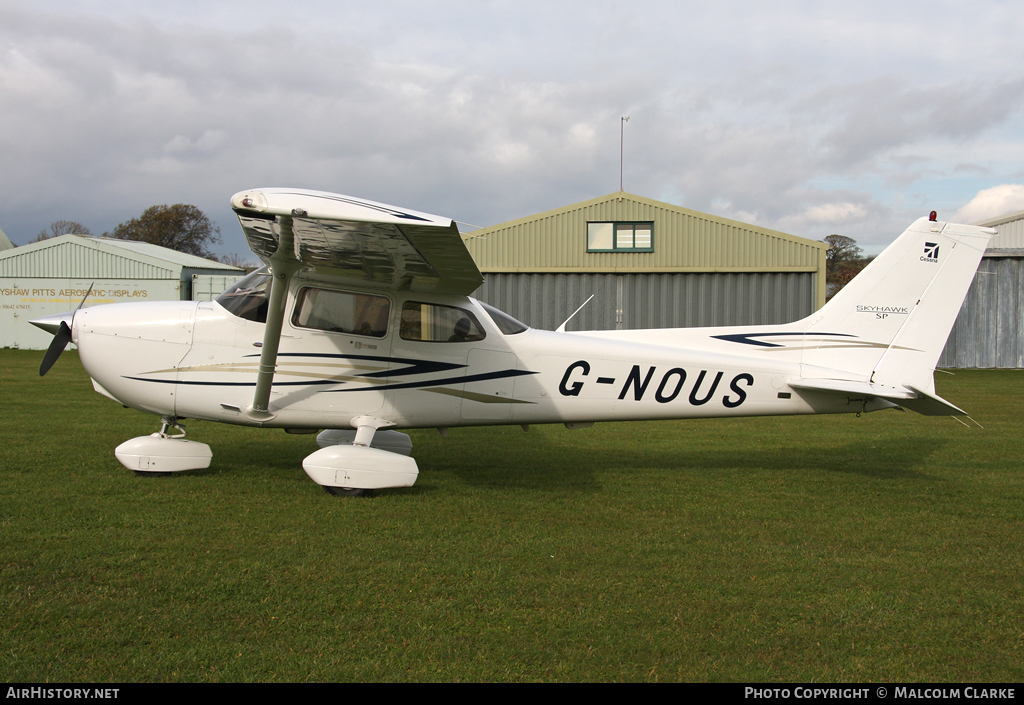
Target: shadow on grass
548 459
504 458
549 466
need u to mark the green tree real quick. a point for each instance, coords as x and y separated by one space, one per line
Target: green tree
62 227
843 261
179 227
841 250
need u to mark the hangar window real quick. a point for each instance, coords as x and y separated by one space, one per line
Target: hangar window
620 237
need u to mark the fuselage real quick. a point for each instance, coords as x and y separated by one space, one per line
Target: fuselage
416 360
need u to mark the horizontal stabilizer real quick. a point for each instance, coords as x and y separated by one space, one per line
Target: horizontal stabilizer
931 405
908 397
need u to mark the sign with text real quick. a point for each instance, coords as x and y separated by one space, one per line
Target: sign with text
22 300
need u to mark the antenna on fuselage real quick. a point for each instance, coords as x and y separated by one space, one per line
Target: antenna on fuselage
561 328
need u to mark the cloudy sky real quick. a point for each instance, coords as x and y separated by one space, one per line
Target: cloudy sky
810 117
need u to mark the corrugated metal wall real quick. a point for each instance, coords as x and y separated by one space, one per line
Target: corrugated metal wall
71 260
1011 231
672 300
989 329
1011 235
683 239
207 287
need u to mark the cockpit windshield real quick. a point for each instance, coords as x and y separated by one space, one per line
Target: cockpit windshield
249 298
506 324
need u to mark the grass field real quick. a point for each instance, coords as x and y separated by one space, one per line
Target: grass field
881 548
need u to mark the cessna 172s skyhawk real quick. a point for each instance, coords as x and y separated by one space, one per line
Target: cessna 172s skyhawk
361 323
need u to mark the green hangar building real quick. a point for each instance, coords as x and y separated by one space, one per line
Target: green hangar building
647 264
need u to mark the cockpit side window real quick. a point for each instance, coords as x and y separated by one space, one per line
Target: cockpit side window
249 297
342 312
433 323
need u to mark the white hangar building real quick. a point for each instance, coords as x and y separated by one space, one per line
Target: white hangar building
989 331
54 275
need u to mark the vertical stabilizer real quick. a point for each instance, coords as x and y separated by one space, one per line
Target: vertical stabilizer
892 321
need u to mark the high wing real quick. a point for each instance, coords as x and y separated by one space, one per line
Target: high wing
348 240
357 240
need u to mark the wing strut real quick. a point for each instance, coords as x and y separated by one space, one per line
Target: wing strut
282 266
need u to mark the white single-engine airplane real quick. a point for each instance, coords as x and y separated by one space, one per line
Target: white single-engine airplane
362 323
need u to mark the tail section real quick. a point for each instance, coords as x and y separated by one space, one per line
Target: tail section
880 337
892 321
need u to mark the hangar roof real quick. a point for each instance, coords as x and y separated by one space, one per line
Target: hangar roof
1010 240
682 240
5 243
78 256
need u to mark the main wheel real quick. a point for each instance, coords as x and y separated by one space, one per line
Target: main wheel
347 491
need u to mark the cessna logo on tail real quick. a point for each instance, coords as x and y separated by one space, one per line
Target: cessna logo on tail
931 252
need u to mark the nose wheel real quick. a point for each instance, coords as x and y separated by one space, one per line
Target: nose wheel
162 454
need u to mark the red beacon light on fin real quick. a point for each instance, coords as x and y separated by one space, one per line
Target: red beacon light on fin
933 216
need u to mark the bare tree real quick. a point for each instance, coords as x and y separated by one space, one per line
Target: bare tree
240 261
62 227
179 227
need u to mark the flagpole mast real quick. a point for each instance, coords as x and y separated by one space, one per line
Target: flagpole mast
622 126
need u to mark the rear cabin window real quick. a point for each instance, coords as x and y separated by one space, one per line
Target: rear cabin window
432 323
342 312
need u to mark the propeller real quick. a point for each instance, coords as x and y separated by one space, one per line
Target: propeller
62 334
57 346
